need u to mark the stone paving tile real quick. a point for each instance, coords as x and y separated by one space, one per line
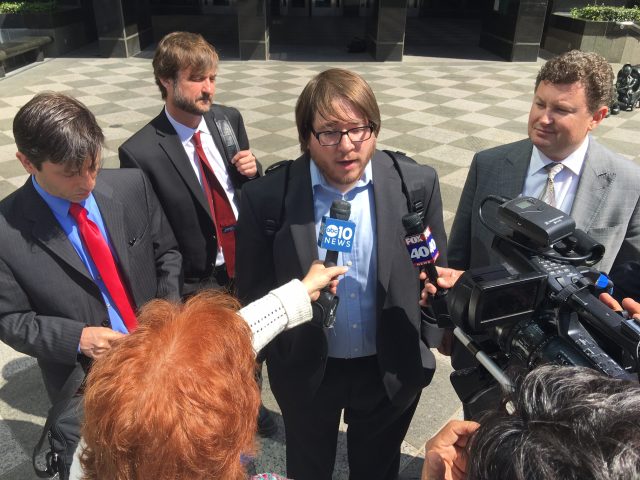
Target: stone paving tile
441 110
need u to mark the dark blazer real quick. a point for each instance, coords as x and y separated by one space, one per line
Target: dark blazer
157 150
46 293
607 203
297 358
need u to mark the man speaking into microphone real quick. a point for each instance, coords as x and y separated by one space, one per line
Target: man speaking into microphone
372 363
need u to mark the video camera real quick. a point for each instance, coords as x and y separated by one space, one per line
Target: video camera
539 307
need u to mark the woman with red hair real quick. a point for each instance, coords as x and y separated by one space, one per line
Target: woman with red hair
177 398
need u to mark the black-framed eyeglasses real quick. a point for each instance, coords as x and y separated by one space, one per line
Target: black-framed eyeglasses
356 135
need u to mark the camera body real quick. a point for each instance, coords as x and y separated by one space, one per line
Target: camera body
540 305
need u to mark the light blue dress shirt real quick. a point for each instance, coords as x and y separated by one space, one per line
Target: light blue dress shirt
354 333
60 209
565 182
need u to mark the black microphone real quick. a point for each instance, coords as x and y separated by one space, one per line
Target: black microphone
424 253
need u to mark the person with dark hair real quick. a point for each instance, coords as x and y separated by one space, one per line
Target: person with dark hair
77 261
559 163
562 422
196 155
373 363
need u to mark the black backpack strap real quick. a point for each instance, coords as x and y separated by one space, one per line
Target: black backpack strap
413 190
69 389
228 136
273 220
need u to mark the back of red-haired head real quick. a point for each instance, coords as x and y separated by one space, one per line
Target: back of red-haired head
176 399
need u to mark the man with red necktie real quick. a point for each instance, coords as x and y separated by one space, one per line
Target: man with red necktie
82 249
196 155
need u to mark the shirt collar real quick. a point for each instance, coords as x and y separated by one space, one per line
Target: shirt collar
318 179
59 206
573 162
185 133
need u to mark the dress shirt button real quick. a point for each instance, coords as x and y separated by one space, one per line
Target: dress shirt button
106 323
349 263
355 325
352 295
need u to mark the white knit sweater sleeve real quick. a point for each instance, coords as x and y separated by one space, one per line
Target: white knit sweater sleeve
281 309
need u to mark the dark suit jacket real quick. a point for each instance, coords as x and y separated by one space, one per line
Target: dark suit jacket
157 150
607 203
46 293
297 358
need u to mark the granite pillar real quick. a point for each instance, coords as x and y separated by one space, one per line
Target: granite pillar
253 29
385 30
512 29
124 26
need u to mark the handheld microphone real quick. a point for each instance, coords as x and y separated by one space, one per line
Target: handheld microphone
336 235
423 252
336 232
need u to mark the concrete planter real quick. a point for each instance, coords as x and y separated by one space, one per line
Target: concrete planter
618 44
65 26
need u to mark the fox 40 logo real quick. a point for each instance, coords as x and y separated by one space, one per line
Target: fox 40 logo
422 248
336 234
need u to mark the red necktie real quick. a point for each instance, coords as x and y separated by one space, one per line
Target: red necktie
103 259
220 206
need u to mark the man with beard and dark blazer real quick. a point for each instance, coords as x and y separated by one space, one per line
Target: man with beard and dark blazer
373 363
185 68
82 249
197 157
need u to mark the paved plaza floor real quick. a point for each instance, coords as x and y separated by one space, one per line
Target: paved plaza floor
439 109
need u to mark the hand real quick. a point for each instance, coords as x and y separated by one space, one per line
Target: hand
630 305
447 278
96 341
320 276
445 457
245 163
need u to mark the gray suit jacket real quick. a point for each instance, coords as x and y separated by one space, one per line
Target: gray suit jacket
607 203
296 358
46 293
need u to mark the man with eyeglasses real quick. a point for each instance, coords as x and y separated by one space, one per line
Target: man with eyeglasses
372 364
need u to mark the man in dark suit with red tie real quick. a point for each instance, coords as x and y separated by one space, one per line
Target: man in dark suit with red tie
82 250
197 157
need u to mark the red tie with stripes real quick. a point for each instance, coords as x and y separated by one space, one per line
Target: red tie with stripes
221 211
103 260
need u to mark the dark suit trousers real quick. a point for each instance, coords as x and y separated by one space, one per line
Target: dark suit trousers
375 431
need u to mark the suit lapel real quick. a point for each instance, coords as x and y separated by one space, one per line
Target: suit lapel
388 196
594 186
514 169
300 213
171 145
112 212
47 231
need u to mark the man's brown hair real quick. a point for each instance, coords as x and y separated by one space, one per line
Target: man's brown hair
590 69
320 97
58 128
182 50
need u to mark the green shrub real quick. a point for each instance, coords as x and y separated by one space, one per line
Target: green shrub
27 7
603 13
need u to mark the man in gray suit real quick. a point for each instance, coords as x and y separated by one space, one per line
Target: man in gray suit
597 187
76 260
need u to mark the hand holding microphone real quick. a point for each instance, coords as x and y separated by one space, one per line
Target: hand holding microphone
423 252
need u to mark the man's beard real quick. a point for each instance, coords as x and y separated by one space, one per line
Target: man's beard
189 106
